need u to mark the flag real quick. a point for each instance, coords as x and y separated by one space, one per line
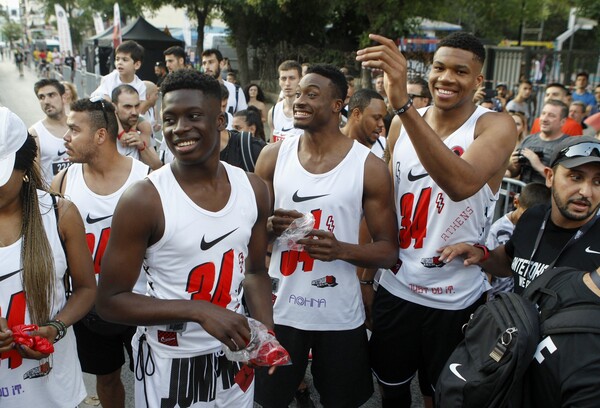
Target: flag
117 40
98 23
64 34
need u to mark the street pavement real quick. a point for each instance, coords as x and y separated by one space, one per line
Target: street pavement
17 95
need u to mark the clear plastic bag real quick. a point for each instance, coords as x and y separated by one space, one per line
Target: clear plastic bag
262 350
298 229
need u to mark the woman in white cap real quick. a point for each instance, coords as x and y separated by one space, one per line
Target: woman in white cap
41 236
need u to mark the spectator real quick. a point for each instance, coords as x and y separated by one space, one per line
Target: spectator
256 97
558 92
581 93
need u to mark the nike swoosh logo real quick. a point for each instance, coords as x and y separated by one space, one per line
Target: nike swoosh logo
591 251
91 220
297 199
61 153
8 275
453 368
206 245
413 177
286 130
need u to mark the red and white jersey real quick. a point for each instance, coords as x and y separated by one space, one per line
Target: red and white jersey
26 382
311 294
97 211
428 219
201 256
53 155
283 126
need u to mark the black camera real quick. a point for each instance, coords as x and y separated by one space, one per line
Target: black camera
524 160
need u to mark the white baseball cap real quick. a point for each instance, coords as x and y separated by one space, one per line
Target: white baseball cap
13 134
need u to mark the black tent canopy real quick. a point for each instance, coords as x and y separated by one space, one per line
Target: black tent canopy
151 38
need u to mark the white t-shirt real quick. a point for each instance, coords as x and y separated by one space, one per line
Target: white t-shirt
111 81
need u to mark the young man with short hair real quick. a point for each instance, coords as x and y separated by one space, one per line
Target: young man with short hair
174 58
211 64
280 117
198 228
447 163
366 111
49 131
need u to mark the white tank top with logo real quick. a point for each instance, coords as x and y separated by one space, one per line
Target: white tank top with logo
428 219
97 211
53 155
283 126
311 294
201 256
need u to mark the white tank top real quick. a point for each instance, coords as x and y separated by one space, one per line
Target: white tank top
201 255
283 126
428 219
310 294
20 379
53 155
130 151
97 211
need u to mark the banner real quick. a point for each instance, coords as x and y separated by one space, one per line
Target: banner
117 40
98 23
64 34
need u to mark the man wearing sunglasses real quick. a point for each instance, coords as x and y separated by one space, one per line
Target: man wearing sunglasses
566 234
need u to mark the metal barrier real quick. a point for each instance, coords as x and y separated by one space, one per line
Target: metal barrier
509 188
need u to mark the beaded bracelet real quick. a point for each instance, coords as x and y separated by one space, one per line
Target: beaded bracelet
60 327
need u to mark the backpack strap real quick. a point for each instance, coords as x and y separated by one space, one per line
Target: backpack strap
237 95
543 281
574 319
245 142
62 181
67 277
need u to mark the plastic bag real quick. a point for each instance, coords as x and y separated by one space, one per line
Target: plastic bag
21 336
298 229
262 350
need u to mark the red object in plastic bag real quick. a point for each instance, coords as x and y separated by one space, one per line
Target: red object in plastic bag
270 354
21 336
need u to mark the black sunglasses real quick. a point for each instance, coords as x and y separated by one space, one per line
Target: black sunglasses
586 149
99 99
413 96
516 111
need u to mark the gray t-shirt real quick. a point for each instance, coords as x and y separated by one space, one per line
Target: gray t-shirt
543 149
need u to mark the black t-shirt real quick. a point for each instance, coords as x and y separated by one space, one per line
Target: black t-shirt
70 62
565 372
232 153
583 254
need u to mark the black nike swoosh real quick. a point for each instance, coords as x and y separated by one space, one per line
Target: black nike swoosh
61 153
286 130
205 246
8 275
297 199
412 177
91 220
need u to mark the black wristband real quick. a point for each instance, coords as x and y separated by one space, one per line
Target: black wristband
367 282
404 108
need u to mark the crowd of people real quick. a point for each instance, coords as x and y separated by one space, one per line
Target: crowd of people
125 231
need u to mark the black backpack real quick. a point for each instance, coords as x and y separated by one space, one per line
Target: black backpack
485 368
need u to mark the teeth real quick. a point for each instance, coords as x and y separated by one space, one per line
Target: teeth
301 114
444 92
186 143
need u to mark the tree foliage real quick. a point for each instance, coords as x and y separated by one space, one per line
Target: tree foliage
12 31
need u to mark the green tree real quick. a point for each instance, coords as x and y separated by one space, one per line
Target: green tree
12 31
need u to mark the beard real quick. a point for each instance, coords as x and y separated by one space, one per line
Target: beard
563 207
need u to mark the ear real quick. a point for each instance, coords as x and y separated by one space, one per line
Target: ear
137 65
549 173
253 129
221 121
101 136
355 113
338 105
516 201
478 81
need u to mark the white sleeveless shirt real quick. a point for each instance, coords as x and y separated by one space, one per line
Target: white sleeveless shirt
53 155
21 379
97 211
201 255
310 294
428 219
283 126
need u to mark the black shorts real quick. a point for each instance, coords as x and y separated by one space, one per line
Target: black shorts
340 368
408 337
101 355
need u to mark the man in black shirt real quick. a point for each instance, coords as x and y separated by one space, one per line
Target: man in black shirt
566 234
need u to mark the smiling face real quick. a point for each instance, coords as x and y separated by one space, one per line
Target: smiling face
575 194
51 101
455 77
192 123
315 105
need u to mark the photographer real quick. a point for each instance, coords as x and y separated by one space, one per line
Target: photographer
533 155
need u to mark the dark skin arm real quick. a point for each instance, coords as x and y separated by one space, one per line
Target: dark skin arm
136 225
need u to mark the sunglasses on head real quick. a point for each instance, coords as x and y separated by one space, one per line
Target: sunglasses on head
413 96
99 99
586 149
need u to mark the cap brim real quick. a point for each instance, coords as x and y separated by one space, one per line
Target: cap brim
7 165
578 161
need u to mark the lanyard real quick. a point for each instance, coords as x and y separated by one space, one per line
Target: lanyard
580 232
